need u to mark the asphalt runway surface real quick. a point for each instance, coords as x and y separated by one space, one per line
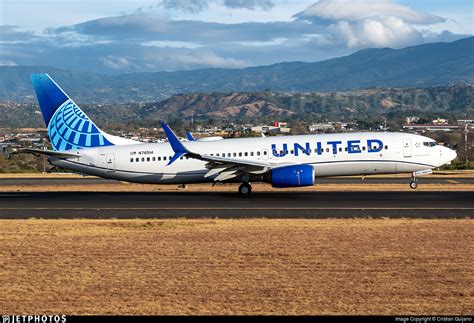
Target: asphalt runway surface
412 204
327 180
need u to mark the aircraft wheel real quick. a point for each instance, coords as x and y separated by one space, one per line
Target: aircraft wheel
413 184
245 189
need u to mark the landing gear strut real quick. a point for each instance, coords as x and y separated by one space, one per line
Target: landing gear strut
414 182
245 188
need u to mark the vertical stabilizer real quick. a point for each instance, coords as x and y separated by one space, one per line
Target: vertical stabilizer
69 127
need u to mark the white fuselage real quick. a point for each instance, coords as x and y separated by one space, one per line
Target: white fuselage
330 154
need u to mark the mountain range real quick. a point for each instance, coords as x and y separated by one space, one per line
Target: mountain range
370 105
425 65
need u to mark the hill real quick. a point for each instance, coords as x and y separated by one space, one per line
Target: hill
418 66
369 104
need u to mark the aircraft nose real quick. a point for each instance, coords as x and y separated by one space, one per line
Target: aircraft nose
449 154
452 154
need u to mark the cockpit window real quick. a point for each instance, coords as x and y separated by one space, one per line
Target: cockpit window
429 143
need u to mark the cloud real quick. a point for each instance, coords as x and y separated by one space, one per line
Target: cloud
117 63
172 44
366 23
389 32
7 63
14 34
201 59
356 10
192 6
154 27
250 4
195 6
150 42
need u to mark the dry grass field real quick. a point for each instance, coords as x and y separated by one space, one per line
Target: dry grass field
256 266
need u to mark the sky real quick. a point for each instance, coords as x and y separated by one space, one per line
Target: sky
125 36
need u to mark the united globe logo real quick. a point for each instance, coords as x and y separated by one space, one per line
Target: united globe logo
71 129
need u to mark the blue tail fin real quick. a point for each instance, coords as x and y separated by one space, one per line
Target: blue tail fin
68 126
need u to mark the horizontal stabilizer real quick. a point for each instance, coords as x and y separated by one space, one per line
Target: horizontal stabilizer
50 153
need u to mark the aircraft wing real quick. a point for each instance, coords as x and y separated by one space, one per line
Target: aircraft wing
50 153
224 168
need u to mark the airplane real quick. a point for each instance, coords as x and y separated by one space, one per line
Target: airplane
284 161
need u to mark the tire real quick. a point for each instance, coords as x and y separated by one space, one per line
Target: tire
245 189
413 184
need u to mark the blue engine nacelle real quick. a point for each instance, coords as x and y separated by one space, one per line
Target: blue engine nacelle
293 176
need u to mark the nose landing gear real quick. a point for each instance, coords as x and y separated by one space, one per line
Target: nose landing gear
245 188
413 182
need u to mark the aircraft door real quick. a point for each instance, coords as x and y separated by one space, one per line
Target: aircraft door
407 147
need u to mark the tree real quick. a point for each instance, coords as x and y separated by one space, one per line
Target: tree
298 128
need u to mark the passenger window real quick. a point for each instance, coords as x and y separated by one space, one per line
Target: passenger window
363 148
154 159
228 154
345 149
292 151
340 149
181 158
251 153
258 153
327 150
159 158
386 147
143 159
265 152
131 160
235 154
137 160
164 158
246 154
148 159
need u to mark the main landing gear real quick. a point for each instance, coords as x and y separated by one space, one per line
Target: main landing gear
245 188
413 182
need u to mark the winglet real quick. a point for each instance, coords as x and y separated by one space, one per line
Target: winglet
190 136
176 145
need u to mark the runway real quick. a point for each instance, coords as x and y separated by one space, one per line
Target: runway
327 180
413 204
